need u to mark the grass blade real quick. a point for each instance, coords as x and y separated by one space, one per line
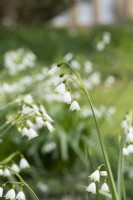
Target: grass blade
120 170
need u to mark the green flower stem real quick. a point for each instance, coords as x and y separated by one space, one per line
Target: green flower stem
9 158
112 183
105 156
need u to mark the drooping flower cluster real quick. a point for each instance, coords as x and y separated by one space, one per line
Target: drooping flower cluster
95 177
31 118
11 194
19 60
59 82
6 172
128 133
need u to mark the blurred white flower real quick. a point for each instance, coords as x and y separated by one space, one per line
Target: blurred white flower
129 137
49 126
105 187
103 173
21 196
100 46
74 106
75 64
39 122
60 88
95 176
55 80
95 79
130 148
42 187
91 188
23 163
109 81
49 147
19 60
28 99
53 70
88 66
32 134
7 172
68 57
15 168
27 110
125 152
124 124
66 97
25 131
29 123
106 37
1 191
111 110
11 194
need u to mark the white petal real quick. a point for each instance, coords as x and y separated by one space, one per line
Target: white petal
15 168
67 97
105 188
20 196
60 88
49 126
103 173
1 191
95 176
91 188
10 194
74 106
52 71
24 163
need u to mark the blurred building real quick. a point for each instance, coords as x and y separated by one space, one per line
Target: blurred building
94 12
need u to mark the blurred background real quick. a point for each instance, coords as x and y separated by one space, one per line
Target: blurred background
95 36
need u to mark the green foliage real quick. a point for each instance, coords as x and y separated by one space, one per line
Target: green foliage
73 133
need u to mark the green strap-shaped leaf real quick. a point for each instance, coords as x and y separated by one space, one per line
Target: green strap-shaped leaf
120 170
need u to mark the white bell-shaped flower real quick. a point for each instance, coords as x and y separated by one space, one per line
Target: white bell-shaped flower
61 89
67 97
91 188
95 176
53 70
15 168
28 99
105 187
11 194
129 137
1 191
55 80
125 152
47 117
49 126
103 173
7 172
25 131
26 110
21 196
130 148
39 122
29 123
74 106
32 134
23 163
